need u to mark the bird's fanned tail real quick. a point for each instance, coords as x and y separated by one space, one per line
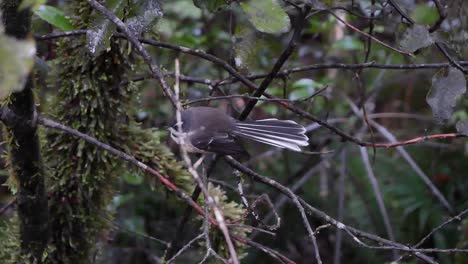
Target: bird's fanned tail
280 133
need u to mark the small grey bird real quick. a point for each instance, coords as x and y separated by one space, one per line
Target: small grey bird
207 129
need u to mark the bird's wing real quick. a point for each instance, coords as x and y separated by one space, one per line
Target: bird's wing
221 143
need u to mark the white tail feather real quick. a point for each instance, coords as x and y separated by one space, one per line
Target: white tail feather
279 133
276 143
298 136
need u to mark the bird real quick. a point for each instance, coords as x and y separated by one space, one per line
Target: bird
210 130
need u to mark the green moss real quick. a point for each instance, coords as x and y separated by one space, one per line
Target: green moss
150 151
9 240
82 175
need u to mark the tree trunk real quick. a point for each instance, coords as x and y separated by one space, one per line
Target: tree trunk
24 151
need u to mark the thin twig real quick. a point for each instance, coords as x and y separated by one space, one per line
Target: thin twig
208 198
453 62
371 37
442 15
186 215
320 214
7 206
246 96
458 217
185 247
378 195
295 200
382 130
281 258
448 221
61 34
400 11
341 192
279 63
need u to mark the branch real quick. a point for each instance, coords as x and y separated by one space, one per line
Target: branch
435 191
279 63
371 37
400 11
378 194
438 45
7 206
134 40
192 170
449 58
184 196
442 16
246 80
295 200
326 218
61 34
245 96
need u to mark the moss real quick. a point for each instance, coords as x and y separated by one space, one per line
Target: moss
81 179
150 151
233 213
9 240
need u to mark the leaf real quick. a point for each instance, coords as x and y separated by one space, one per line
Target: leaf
446 88
267 16
184 10
247 46
132 178
424 14
145 15
33 4
121 199
54 17
303 88
348 43
211 5
462 127
415 38
16 63
98 36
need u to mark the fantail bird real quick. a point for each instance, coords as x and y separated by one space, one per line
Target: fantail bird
207 129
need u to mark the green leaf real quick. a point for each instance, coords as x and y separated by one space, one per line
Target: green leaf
267 16
303 88
184 9
247 47
211 5
54 17
348 43
132 178
120 199
424 14
16 63
33 4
